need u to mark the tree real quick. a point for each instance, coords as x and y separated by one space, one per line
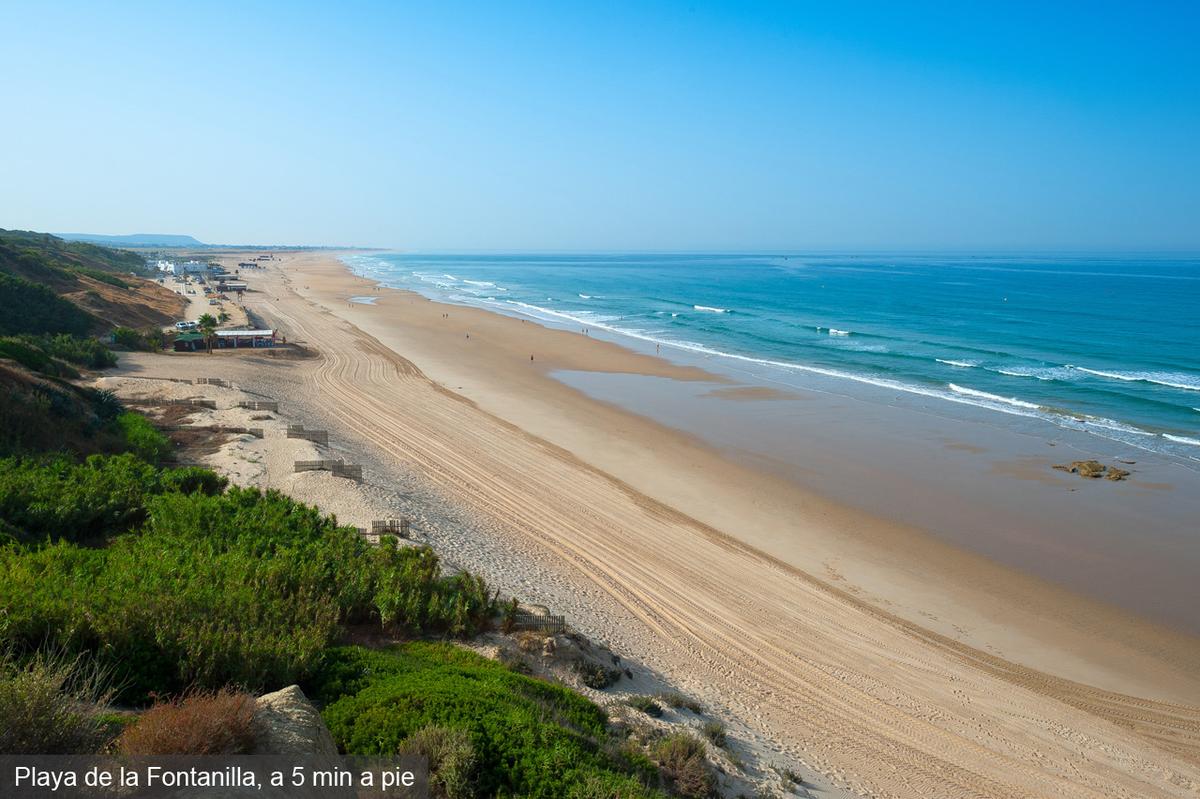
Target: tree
208 326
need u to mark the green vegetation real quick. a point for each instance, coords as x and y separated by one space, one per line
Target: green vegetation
53 355
202 588
46 257
645 704
497 733
46 500
714 731
149 340
681 757
43 414
142 437
41 310
208 329
680 701
52 704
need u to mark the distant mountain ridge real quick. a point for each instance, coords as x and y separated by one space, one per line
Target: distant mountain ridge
135 239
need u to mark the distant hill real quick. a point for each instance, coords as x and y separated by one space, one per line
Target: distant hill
51 285
135 240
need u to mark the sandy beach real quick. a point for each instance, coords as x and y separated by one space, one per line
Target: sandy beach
876 655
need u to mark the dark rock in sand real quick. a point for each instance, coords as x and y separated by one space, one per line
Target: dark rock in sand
1093 470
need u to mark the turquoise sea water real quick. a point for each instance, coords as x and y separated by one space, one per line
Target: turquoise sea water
1105 345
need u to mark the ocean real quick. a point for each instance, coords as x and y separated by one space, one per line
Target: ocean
1105 345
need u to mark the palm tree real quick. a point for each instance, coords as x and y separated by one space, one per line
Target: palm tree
208 326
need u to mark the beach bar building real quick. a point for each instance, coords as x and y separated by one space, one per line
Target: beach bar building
245 338
189 342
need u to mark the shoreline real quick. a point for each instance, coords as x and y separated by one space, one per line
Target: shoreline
874 556
818 628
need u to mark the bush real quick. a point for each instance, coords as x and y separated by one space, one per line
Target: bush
129 339
681 757
52 704
678 701
530 738
105 495
41 415
645 704
216 723
596 676
714 731
87 352
240 588
41 310
143 438
451 757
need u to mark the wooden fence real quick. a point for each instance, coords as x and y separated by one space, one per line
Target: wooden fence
400 528
316 436
533 622
198 403
338 468
210 381
256 405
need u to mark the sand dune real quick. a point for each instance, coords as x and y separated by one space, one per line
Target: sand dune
881 705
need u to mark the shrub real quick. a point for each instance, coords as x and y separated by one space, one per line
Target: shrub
509 622
143 438
596 676
677 700
530 738
26 351
42 311
240 588
681 757
87 352
452 760
50 499
130 339
52 704
645 704
714 731
215 723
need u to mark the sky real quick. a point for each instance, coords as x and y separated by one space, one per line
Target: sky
610 126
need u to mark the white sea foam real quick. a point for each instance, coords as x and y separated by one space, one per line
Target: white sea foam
833 331
585 296
1169 379
1107 428
1041 373
482 283
710 309
983 395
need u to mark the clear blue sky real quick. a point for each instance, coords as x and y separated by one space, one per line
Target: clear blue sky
607 126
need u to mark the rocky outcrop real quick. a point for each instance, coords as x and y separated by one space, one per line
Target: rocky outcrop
289 725
1093 470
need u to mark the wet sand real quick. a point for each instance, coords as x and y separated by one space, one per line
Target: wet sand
876 653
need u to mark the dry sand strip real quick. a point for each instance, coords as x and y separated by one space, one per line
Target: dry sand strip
878 704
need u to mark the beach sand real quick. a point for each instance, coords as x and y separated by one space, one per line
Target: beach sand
873 653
